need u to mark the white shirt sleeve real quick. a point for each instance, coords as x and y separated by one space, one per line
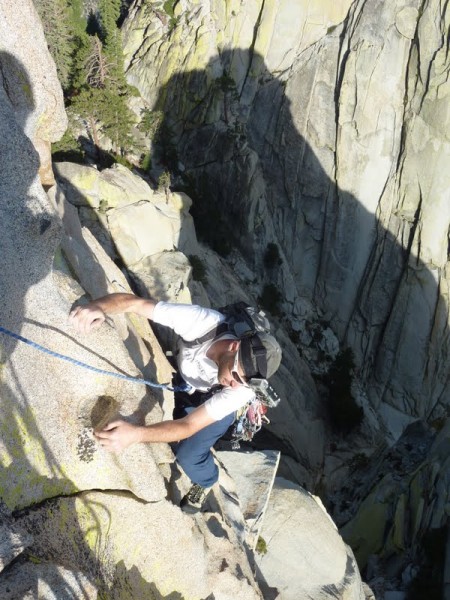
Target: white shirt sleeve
190 322
187 320
227 401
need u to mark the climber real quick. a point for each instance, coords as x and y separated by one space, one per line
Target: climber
217 370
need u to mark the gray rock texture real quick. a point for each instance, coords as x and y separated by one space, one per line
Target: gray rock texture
48 448
29 581
407 494
49 408
141 221
13 541
330 140
28 77
253 474
140 550
305 556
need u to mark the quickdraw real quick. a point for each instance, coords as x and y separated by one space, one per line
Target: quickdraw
249 423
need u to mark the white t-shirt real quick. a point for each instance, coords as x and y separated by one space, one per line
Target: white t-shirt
190 322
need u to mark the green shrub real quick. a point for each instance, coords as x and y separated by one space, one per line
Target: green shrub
226 83
169 9
133 91
164 182
359 461
103 206
261 546
146 162
150 122
68 148
198 269
439 422
121 160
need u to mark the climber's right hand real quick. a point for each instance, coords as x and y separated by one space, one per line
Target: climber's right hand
85 319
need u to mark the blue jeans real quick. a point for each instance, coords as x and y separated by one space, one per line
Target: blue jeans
194 453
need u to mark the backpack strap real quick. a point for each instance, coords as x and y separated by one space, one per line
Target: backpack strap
255 347
209 335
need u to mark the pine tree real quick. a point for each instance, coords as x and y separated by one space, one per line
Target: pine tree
109 15
56 20
77 17
97 66
104 84
94 78
89 105
118 121
111 36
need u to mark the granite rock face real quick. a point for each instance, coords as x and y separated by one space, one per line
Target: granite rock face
253 474
408 495
296 525
12 541
49 408
330 140
139 550
50 581
128 538
153 232
48 447
136 222
29 79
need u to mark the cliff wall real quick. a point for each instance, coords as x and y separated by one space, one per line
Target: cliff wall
323 131
76 521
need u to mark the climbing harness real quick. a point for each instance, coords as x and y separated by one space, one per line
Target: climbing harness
78 363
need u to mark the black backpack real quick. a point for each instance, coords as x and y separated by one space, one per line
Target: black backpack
241 320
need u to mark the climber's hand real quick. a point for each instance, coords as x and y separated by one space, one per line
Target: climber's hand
118 435
86 318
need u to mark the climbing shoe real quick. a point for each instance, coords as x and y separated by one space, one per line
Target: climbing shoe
195 499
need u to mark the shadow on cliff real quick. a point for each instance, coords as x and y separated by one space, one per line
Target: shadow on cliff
24 216
233 145
27 228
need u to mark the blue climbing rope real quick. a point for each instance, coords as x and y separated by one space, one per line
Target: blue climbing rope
78 363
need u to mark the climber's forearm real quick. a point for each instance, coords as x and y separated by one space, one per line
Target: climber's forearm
118 435
123 303
90 316
166 431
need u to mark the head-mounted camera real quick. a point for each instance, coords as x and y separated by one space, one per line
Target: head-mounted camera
264 391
